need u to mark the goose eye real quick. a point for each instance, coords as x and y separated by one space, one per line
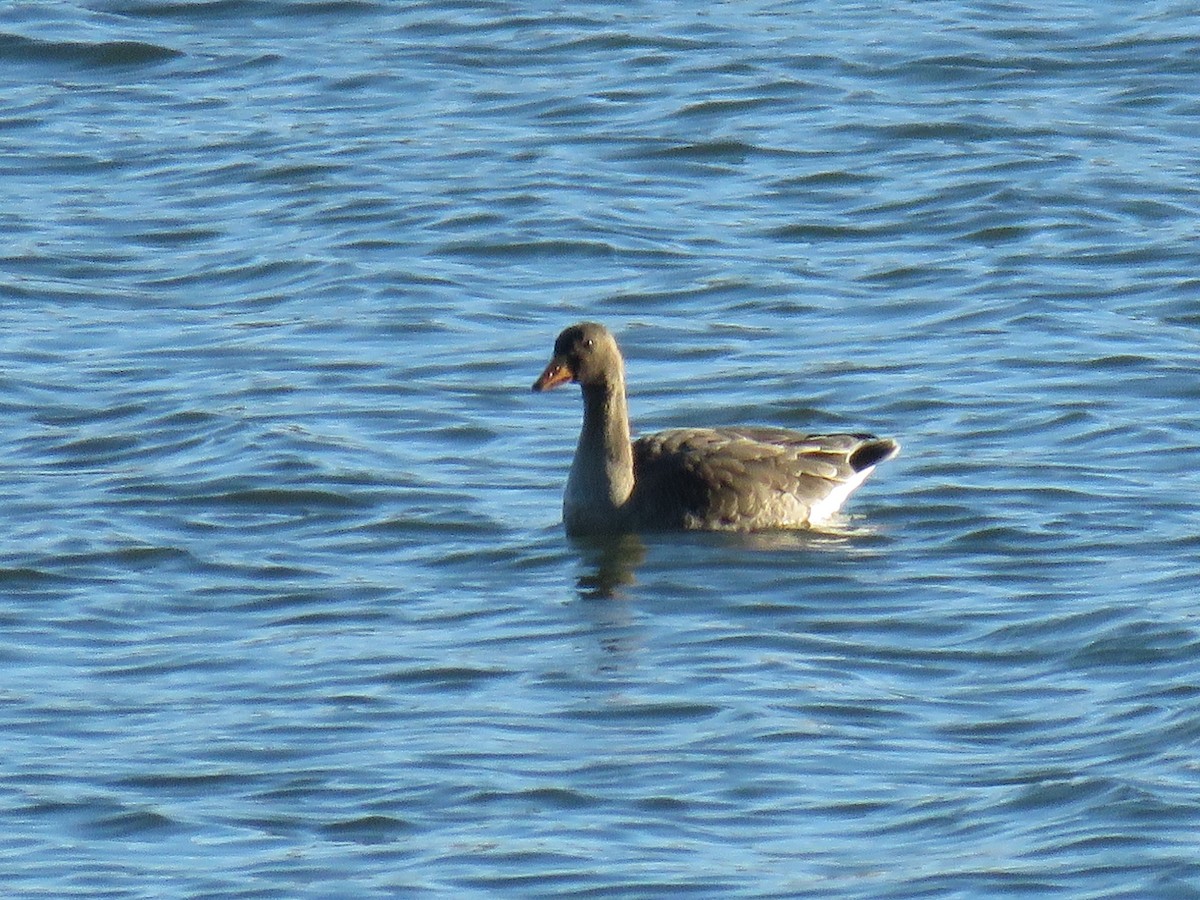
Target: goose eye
587 344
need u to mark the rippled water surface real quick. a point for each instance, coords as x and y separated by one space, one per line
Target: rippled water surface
288 610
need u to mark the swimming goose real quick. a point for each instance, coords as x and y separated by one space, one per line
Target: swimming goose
730 479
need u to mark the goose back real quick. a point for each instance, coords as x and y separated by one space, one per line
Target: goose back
747 478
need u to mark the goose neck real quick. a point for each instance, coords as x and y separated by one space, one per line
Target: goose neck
606 422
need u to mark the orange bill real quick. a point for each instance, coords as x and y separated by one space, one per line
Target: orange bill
556 373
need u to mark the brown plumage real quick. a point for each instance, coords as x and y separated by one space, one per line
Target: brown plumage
739 479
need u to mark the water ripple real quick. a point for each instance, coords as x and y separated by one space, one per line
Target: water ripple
104 55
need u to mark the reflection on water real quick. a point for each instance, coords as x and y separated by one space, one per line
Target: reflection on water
608 563
833 536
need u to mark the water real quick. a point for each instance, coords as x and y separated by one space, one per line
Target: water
287 605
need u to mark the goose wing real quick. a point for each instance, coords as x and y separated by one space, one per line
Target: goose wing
744 478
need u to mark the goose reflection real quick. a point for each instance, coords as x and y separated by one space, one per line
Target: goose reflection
608 564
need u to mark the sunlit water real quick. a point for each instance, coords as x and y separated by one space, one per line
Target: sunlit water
288 610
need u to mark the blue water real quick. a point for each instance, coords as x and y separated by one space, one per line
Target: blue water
288 610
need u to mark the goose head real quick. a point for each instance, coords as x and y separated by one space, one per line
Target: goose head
586 354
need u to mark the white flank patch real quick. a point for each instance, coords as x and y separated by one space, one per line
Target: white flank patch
826 508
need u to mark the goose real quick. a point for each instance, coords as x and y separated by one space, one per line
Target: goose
711 479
